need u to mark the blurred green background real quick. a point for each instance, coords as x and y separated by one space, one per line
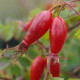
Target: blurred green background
12 14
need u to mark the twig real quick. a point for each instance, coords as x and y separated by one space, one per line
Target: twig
61 9
72 8
42 45
55 10
74 0
79 56
48 68
3 78
22 77
76 25
69 73
54 7
60 2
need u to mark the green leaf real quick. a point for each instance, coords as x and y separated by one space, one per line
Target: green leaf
72 20
17 31
27 75
4 59
33 51
78 34
45 39
24 62
55 78
73 79
8 70
66 14
33 13
15 69
1 27
21 37
7 32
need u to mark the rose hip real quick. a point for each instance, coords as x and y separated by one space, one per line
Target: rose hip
38 28
55 69
58 32
37 68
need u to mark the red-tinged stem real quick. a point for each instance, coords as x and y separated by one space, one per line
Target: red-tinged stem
76 25
54 7
22 48
55 10
72 8
74 0
61 9
3 78
43 46
60 2
48 68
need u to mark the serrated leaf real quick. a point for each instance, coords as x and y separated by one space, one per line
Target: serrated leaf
7 32
65 14
78 34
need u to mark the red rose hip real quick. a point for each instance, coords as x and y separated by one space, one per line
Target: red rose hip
58 32
55 69
37 68
38 28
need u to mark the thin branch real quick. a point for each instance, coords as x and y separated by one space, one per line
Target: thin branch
61 9
76 25
42 45
48 68
69 73
72 8
74 0
3 78
55 7
22 77
79 56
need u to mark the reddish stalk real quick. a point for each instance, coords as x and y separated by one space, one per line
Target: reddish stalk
61 9
48 68
72 8
18 49
54 7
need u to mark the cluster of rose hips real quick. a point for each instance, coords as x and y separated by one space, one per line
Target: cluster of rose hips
36 28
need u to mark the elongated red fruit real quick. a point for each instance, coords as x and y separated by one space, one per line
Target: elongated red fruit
38 28
45 61
55 69
58 32
37 68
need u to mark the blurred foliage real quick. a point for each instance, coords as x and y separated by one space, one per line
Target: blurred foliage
21 69
78 34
